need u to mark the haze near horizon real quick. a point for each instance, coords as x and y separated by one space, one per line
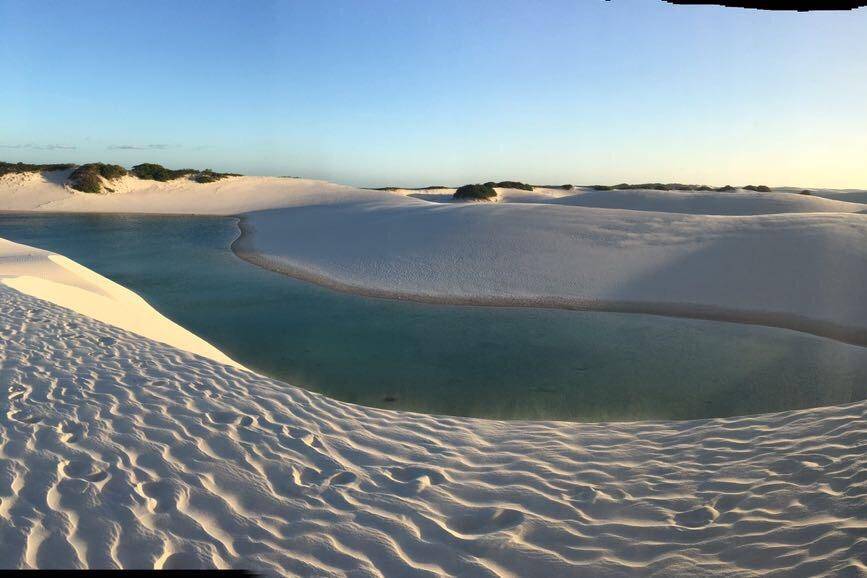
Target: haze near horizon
389 93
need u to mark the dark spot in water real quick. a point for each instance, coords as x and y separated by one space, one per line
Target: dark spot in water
389 399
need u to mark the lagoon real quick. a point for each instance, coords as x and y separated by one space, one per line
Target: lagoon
493 362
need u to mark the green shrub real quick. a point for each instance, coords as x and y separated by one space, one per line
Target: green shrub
475 192
86 178
758 189
725 189
86 182
11 168
111 172
511 185
806 192
392 189
155 172
601 188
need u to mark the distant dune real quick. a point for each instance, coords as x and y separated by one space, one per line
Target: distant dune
778 258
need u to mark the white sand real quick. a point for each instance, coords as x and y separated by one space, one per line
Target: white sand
119 451
777 258
62 281
801 270
739 202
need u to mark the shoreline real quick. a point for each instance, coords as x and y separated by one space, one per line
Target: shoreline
242 247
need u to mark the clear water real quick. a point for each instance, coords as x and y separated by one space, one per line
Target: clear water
488 362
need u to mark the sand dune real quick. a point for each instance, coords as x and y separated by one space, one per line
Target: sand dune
62 281
121 447
804 271
740 202
119 451
779 259
704 203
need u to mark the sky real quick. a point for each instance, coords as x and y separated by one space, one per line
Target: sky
415 93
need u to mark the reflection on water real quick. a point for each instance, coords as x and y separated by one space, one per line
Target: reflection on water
486 362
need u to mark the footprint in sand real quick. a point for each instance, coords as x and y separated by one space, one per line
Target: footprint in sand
414 479
107 340
162 494
583 495
228 418
71 432
24 416
412 473
481 521
297 433
697 518
85 470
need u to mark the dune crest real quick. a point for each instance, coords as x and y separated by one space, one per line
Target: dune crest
66 283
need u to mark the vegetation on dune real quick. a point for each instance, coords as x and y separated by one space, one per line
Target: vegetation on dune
511 185
12 168
806 192
563 187
86 178
431 188
209 176
475 192
155 172
676 187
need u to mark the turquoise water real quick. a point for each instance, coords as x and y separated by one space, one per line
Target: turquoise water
487 362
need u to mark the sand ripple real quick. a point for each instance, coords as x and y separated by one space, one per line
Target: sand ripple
117 451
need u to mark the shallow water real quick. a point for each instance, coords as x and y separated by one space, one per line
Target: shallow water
487 362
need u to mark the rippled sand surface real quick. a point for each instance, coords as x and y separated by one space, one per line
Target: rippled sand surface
119 451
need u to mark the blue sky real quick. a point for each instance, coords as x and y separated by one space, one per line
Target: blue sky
410 93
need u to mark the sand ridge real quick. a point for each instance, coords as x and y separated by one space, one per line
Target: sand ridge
119 451
64 282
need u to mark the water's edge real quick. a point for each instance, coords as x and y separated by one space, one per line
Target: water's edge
243 248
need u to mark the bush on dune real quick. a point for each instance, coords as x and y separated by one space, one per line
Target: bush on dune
392 189
15 168
511 185
209 176
155 172
676 187
562 187
475 192
86 178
